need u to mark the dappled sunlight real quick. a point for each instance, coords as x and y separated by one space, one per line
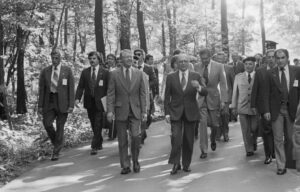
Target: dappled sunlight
77 155
114 165
60 165
84 148
161 175
136 179
99 181
96 189
103 157
183 181
165 162
110 144
208 161
158 136
234 146
152 158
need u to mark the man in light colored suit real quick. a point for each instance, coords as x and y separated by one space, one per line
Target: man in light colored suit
210 106
126 103
241 104
56 100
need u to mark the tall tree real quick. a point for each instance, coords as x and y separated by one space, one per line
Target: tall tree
243 27
163 35
1 52
124 13
171 23
66 27
262 25
99 27
141 26
224 27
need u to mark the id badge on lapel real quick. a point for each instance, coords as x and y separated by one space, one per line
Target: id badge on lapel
101 83
296 83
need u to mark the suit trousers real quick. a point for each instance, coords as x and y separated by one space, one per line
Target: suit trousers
56 135
96 119
182 141
249 130
133 125
223 129
283 133
208 118
267 135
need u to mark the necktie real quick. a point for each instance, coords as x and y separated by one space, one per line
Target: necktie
139 67
284 86
205 74
128 77
93 80
183 81
54 81
249 78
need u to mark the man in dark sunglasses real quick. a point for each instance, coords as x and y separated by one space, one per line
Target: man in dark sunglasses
149 70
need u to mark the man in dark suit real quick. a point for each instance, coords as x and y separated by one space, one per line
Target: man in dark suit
280 101
56 100
140 54
257 95
126 103
149 61
93 83
181 110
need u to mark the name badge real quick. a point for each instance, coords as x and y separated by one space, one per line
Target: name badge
65 82
295 83
101 83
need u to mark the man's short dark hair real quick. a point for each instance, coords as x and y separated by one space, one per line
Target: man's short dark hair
139 50
249 59
296 60
112 55
205 51
177 52
148 56
99 56
285 51
173 61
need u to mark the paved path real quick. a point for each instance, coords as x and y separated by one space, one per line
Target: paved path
225 170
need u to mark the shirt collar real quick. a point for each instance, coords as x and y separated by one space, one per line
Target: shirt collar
57 67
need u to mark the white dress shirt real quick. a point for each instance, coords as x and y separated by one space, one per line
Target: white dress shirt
130 72
186 75
96 71
58 67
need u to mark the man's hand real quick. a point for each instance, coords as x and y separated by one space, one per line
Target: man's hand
144 117
234 111
195 84
70 110
225 110
267 116
110 117
168 119
77 103
223 105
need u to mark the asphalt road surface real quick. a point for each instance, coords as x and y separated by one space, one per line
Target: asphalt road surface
225 170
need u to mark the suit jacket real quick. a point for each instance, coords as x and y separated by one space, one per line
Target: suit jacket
215 77
85 86
238 67
296 136
65 89
156 90
241 96
178 102
273 91
121 97
258 90
148 69
230 80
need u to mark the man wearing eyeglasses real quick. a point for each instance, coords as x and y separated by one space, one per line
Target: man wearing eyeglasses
140 54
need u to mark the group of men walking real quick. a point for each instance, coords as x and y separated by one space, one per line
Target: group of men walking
207 94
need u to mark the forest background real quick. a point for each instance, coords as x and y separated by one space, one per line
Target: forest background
30 29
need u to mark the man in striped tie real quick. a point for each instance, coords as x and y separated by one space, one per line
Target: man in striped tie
56 100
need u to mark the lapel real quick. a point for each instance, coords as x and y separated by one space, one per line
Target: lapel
99 75
292 77
211 72
133 77
89 77
48 75
61 75
275 76
177 81
188 82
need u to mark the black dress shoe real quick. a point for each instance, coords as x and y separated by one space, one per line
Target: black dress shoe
226 138
186 169
203 155
175 168
250 154
125 171
268 160
255 147
281 171
54 157
100 147
94 151
136 167
213 146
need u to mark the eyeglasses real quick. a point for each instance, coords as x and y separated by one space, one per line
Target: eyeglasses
138 54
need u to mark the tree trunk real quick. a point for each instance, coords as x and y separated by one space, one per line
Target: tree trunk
59 25
66 27
224 27
125 24
174 25
163 35
51 30
172 32
141 27
99 27
21 91
1 52
75 45
213 3
262 24
243 28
